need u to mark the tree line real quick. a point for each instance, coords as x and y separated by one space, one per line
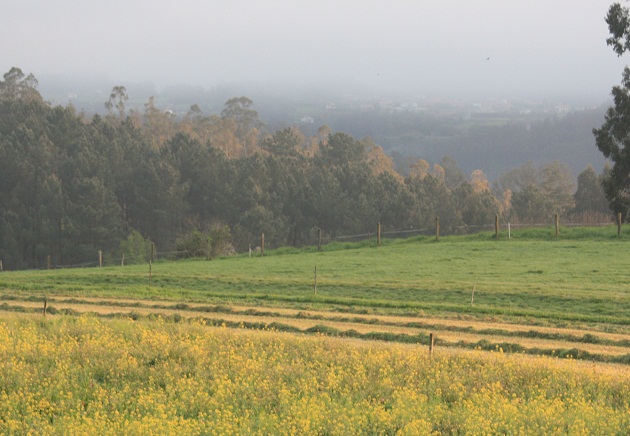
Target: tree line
72 184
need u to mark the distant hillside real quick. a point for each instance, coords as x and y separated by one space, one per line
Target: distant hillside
497 149
491 139
495 143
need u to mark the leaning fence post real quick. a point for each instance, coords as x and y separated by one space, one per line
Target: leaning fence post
431 343
618 227
45 304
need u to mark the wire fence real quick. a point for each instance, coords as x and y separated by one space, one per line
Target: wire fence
450 231
504 228
107 259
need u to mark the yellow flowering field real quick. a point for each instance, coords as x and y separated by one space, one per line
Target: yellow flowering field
88 375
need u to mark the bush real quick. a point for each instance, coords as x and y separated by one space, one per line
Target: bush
209 244
194 244
135 248
221 241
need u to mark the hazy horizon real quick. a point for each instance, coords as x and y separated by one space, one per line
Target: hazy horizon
482 49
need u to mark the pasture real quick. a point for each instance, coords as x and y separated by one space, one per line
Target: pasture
547 329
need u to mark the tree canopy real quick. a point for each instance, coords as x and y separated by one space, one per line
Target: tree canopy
71 186
613 137
18 86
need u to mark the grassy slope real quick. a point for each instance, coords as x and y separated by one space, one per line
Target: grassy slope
580 277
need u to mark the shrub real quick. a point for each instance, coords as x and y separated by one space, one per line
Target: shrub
194 244
135 248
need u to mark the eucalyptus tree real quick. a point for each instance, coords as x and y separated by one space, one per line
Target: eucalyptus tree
18 86
613 137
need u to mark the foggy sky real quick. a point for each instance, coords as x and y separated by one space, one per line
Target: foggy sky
481 48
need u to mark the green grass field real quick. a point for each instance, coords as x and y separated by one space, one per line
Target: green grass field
576 278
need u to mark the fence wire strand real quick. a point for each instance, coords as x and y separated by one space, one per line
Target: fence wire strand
402 233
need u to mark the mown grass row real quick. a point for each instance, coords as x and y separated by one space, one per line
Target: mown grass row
610 314
588 338
323 329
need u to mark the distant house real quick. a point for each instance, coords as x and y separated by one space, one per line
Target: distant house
307 120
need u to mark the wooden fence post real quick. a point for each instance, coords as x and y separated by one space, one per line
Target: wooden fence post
122 260
152 252
378 234
262 244
557 225
48 264
431 343
618 228
319 239
100 258
150 273
496 226
437 228
45 304
315 281
0 265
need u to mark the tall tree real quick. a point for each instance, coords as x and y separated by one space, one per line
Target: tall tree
240 110
479 181
531 205
380 162
159 124
18 86
419 168
590 197
556 183
284 142
117 99
453 174
613 137
476 207
536 194
342 150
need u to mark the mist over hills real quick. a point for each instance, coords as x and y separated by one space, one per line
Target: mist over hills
493 135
